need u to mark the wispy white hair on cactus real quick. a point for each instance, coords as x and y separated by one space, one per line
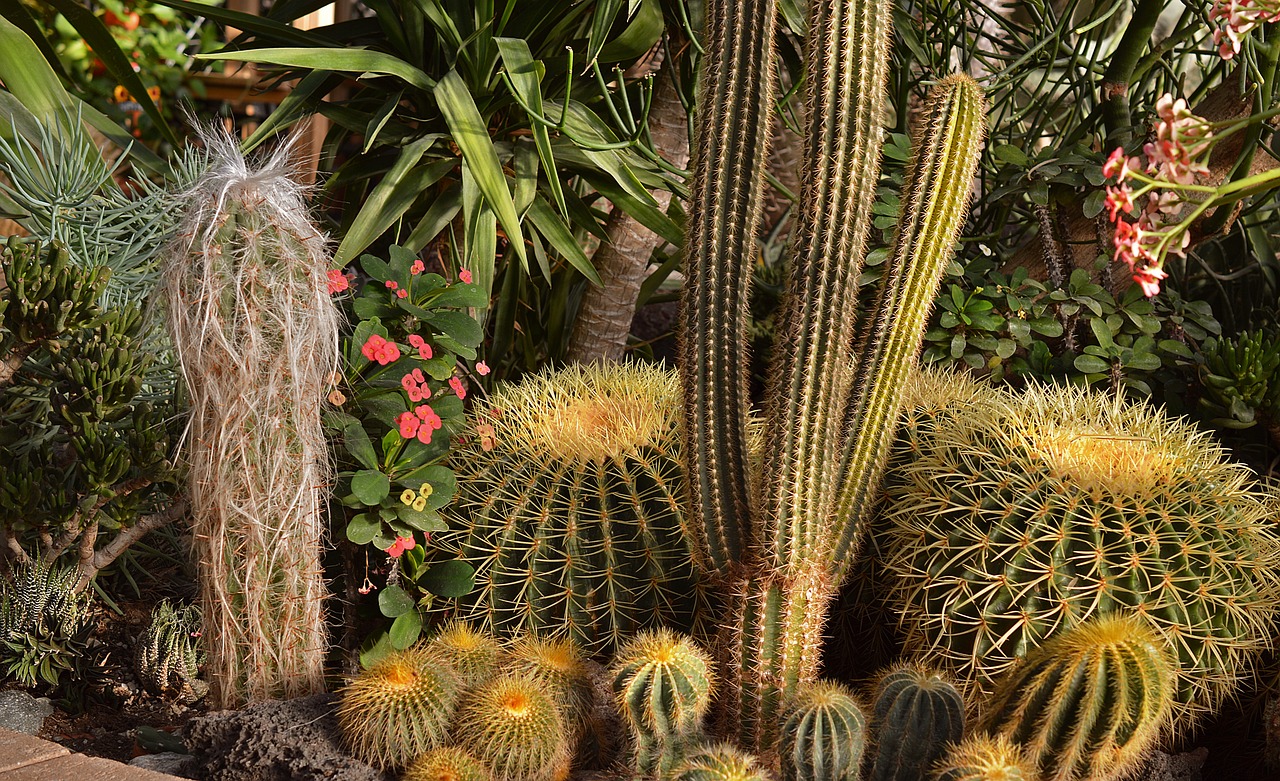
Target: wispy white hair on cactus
256 334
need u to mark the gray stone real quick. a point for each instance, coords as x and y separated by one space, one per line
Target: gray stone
23 713
1173 767
169 762
277 740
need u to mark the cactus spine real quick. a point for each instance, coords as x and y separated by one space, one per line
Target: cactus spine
824 737
446 764
1032 512
256 333
570 508
558 663
399 708
917 713
474 655
513 725
663 683
722 762
986 758
1089 703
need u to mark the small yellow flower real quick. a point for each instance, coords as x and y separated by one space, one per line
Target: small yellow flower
426 490
408 496
420 504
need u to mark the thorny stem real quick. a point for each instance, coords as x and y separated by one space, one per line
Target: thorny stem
1115 81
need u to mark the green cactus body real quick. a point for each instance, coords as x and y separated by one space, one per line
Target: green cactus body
449 763
474 655
168 656
917 713
559 663
824 736
1032 512
513 725
399 708
663 683
572 516
986 758
1088 704
722 762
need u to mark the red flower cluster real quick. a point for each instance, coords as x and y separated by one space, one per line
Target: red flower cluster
376 348
338 281
1238 18
420 423
424 349
416 386
401 545
458 387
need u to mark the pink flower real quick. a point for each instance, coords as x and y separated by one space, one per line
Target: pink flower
417 268
482 368
1149 279
416 341
401 545
408 424
389 352
458 387
465 276
1119 199
391 284
1117 165
372 345
402 294
338 281
424 352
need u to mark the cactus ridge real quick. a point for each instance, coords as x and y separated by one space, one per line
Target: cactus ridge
560 664
399 708
448 763
824 736
663 682
1032 512
1089 703
474 655
514 726
721 762
917 713
573 517
986 758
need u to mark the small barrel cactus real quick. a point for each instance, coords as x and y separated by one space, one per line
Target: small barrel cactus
168 655
917 712
399 708
1034 511
570 508
1087 705
986 758
474 655
824 735
513 725
449 763
559 663
722 762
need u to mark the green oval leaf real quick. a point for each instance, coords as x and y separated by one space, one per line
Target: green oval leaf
394 601
363 528
449 578
405 630
370 486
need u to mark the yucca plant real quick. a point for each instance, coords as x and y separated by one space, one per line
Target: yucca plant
783 551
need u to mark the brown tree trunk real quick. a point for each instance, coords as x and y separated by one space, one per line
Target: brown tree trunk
604 317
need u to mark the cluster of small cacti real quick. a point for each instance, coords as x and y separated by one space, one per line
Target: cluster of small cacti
44 623
1241 381
169 655
462 705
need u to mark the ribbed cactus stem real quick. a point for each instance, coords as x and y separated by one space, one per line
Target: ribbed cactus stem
730 146
917 713
934 207
721 762
847 65
824 736
986 758
1089 703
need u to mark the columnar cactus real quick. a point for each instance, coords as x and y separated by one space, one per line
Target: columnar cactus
474 655
663 683
986 758
917 713
399 708
569 507
824 736
513 725
1034 512
1088 704
256 334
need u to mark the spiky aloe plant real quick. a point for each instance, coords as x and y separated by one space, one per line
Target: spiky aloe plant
256 335
1088 704
829 419
917 712
824 736
986 758
1034 512
168 656
569 508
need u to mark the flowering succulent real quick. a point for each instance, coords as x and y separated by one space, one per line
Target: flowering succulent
1237 18
395 416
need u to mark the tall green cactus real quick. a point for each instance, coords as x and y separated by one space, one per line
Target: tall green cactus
917 712
1088 704
831 417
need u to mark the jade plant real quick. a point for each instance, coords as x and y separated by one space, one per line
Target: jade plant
783 544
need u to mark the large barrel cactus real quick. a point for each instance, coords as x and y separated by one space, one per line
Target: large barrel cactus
569 508
1033 512
1088 704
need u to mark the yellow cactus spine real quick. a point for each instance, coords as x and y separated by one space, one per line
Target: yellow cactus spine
513 725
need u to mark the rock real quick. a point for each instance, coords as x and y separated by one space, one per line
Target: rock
277 740
166 762
21 712
1173 767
